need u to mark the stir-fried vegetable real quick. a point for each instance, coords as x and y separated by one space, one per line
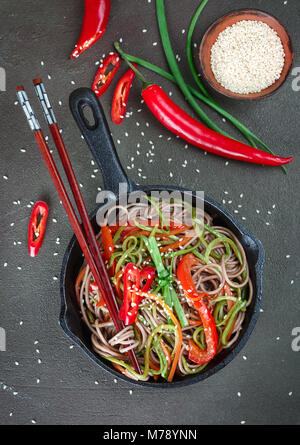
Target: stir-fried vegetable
182 288
185 278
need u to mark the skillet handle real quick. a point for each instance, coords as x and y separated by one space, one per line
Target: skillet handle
98 137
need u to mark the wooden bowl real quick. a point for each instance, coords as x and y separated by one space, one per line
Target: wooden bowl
217 27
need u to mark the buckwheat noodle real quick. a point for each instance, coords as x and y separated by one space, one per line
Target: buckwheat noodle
221 262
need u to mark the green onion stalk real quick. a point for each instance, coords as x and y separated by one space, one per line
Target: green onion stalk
188 91
165 281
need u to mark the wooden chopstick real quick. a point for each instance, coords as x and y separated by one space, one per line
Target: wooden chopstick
88 244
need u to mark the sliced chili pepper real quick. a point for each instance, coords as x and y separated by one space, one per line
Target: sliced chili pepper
94 288
96 14
179 122
104 77
119 103
148 274
37 226
129 308
133 278
186 281
108 246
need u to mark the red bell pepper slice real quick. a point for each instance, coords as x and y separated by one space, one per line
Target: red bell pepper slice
104 77
130 305
96 14
108 246
37 226
186 281
120 99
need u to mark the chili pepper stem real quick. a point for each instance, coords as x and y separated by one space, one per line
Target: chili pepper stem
142 78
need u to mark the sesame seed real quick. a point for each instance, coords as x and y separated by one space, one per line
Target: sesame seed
242 52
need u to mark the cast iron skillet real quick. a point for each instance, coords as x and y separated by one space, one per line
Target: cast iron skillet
100 142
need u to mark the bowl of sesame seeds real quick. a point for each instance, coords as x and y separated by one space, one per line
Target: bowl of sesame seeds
246 54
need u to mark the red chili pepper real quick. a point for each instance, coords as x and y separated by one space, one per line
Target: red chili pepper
192 131
130 305
108 246
103 78
94 288
148 274
186 281
119 103
96 13
37 226
133 278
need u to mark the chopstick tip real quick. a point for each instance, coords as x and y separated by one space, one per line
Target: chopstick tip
37 81
20 88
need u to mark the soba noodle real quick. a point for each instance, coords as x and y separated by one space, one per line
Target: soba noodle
221 262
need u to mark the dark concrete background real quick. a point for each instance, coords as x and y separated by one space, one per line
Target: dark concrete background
43 378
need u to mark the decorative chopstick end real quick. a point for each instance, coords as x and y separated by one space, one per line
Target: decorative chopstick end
28 111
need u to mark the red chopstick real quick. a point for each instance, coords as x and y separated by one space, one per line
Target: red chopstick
88 244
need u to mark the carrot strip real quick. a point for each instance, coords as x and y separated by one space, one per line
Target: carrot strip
175 245
119 368
194 322
166 352
153 365
177 325
78 282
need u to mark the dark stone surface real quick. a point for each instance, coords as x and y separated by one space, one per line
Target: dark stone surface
65 387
